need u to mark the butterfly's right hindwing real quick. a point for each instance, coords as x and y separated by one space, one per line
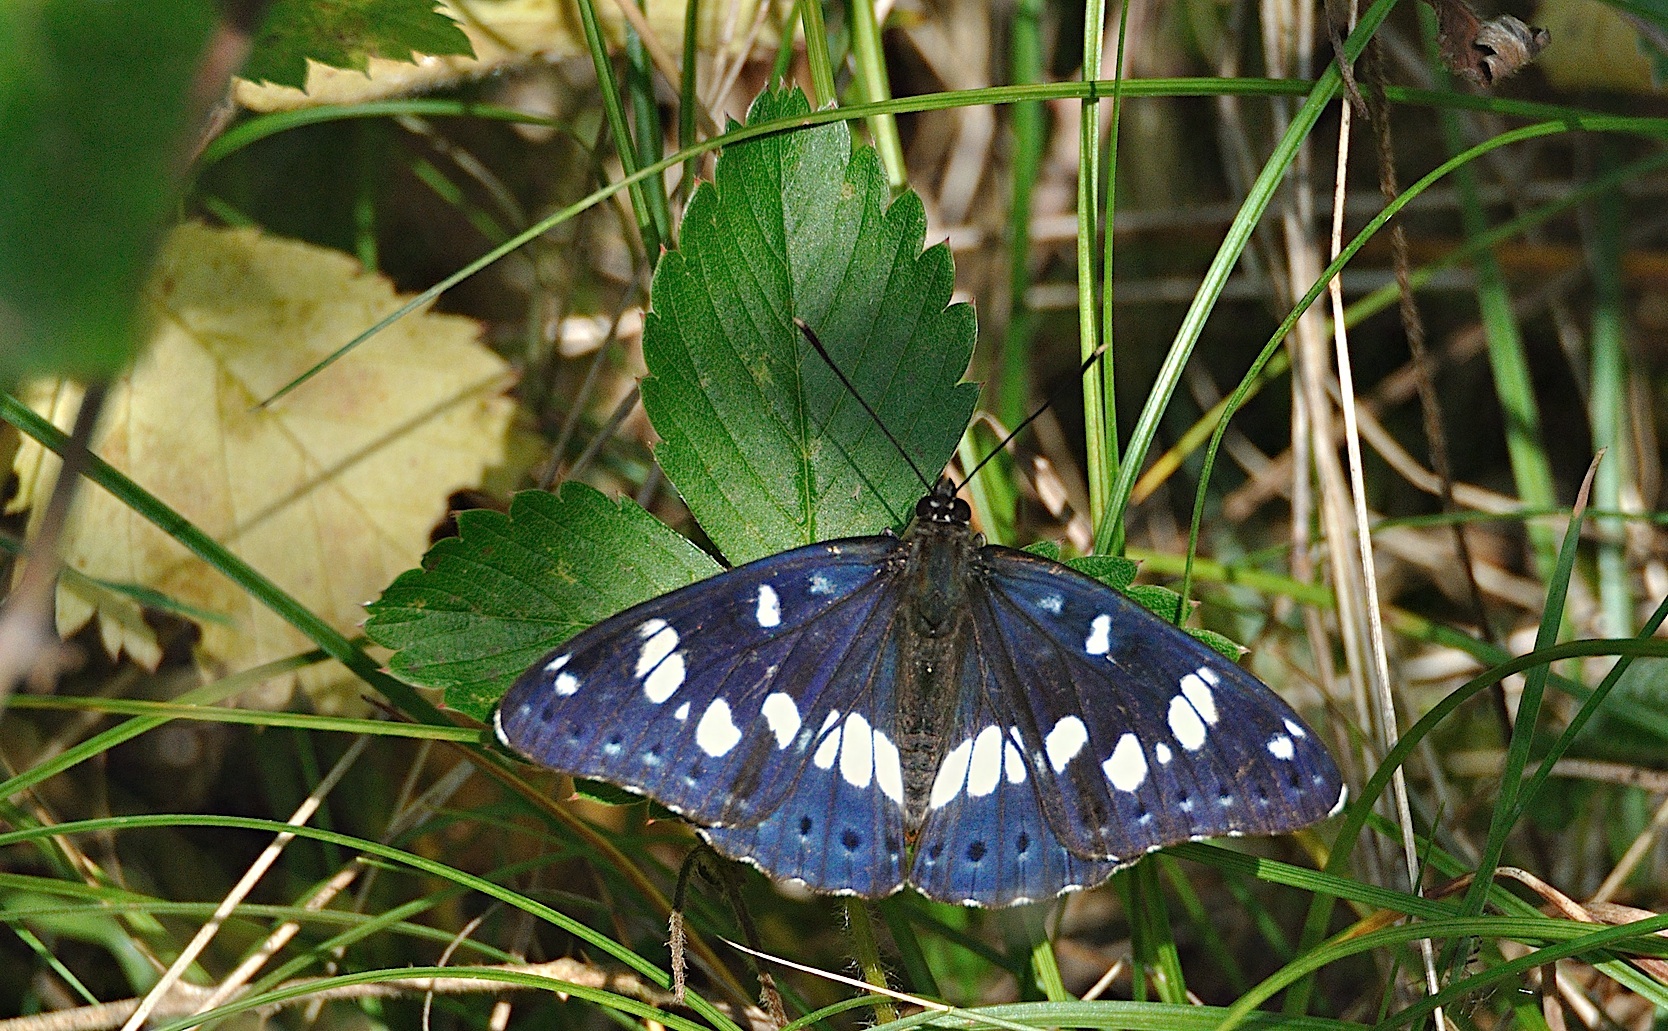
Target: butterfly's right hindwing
713 699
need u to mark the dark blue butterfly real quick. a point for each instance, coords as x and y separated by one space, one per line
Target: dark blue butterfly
986 725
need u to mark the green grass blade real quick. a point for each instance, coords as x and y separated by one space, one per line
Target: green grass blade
1109 525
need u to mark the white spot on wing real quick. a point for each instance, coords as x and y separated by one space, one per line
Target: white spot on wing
666 678
682 713
1100 635
770 607
1185 724
566 684
888 768
820 584
1013 763
986 768
1162 753
1197 690
1064 742
1051 603
829 750
857 751
1280 746
782 717
717 733
556 664
1296 729
659 641
498 728
1126 768
951 776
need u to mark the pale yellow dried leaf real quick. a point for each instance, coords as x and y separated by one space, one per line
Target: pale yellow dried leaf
1593 47
330 492
506 34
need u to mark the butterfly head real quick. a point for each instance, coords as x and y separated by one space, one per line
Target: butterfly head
942 506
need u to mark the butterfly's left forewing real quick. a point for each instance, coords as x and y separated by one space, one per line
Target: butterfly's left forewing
740 703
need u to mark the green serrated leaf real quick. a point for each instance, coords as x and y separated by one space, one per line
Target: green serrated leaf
1047 549
347 34
1227 647
1161 601
766 446
1114 571
492 600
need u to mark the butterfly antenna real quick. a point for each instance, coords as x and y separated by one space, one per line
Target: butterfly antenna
1088 364
852 389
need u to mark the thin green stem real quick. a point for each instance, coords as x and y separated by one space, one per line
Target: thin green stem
1028 124
689 97
867 952
1568 119
1106 414
615 114
1096 432
1607 403
816 54
874 84
648 138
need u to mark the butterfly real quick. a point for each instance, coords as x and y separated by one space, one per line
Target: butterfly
983 724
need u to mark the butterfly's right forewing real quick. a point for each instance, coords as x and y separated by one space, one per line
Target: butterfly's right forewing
1140 736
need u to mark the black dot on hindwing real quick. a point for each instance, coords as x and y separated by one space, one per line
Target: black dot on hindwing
805 825
850 839
975 851
694 774
1022 844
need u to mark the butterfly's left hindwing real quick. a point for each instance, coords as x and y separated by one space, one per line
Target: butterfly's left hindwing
986 839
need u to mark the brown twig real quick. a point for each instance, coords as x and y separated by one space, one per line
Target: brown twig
29 647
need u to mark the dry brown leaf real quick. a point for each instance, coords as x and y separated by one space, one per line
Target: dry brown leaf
505 34
331 491
1485 52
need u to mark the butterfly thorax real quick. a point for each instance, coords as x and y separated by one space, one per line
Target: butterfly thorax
941 555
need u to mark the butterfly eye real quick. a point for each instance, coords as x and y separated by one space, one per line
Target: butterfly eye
943 507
